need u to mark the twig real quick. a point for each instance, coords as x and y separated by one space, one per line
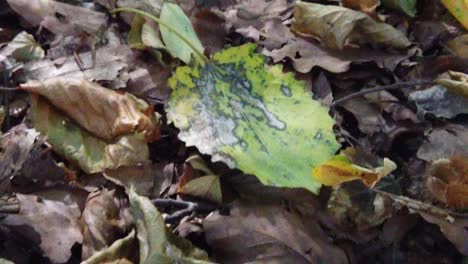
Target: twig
393 86
187 208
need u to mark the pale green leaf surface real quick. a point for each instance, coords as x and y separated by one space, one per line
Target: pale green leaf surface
174 16
252 117
157 244
207 187
77 145
335 24
24 48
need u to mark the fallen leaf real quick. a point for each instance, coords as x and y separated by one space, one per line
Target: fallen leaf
118 253
157 244
334 25
210 29
268 233
91 154
144 34
140 176
430 34
459 9
174 16
459 46
23 48
105 219
244 113
367 6
443 143
456 82
150 6
55 222
440 102
341 168
448 181
406 6
103 112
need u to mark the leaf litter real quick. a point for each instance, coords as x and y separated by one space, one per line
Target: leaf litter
186 132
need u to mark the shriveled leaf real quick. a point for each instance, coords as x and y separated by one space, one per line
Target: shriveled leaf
459 46
268 233
443 143
173 15
252 117
448 181
90 153
23 48
334 25
55 225
103 112
157 244
439 101
105 219
459 10
117 253
456 82
406 6
341 169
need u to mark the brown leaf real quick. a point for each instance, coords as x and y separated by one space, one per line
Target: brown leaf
105 219
459 46
103 112
210 29
140 176
443 143
268 233
366 6
55 222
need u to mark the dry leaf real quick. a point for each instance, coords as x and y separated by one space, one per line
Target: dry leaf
366 6
443 143
456 82
334 25
103 112
459 46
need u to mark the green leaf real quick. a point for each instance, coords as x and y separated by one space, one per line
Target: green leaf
335 24
174 16
77 145
157 243
143 34
406 6
252 117
24 48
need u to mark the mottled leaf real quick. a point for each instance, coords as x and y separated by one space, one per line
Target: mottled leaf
23 48
334 25
174 16
341 168
158 244
252 117
91 154
406 6
459 10
103 112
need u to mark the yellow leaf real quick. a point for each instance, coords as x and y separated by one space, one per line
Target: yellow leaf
459 9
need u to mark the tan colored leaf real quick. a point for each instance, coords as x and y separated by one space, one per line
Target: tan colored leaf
457 82
117 253
335 25
140 176
103 112
459 46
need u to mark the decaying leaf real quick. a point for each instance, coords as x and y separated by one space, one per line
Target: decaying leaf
103 112
173 15
23 48
157 244
55 224
252 117
459 9
347 167
334 25
268 233
456 82
90 153
206 185
118 253
406 6
459 46
444 143
439 101
140 176
448 181
367 6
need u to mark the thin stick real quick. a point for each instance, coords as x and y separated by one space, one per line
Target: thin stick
158 21
393 86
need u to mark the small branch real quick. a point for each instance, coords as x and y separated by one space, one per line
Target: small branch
393 86
186 208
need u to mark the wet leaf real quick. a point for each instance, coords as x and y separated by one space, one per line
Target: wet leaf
334 25
174 16
268 233
439 101
340 168
245 113
406 6
117 253
459 10
90 153
103 112
459 46
448 181
23 48
157 244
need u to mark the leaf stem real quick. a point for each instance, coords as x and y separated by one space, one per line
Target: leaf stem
158 21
